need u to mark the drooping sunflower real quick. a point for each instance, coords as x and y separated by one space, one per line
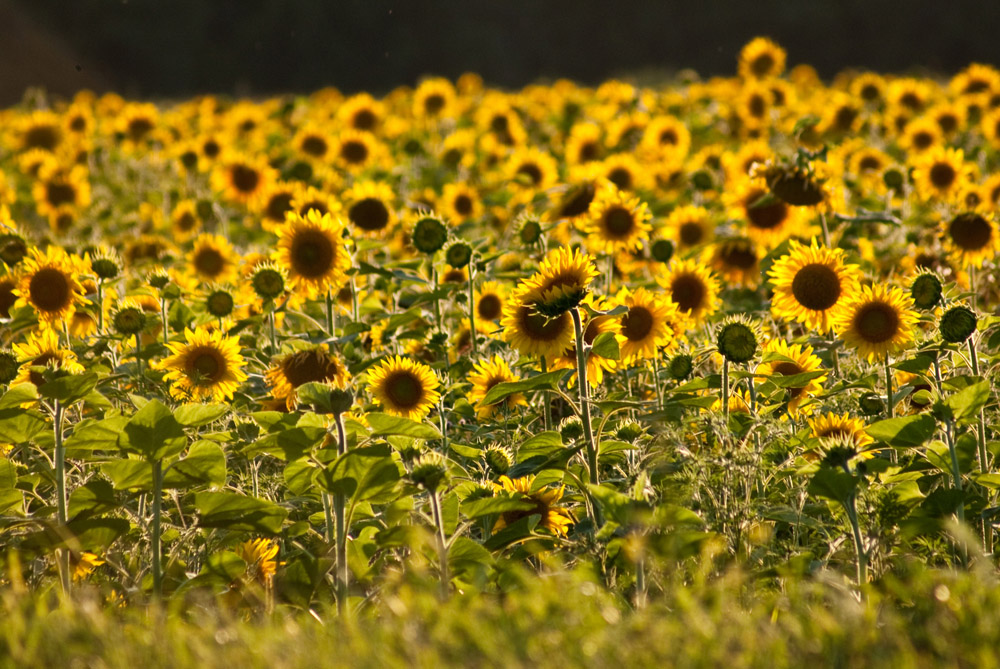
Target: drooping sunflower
689 227
370 208
490 300
312 364
532 333
761 58
769 220
616 222
790 360
940 173
651 322
877 320
809 284
555 519
972 237
692 287
486 374
311 249
562 278
404 387
206 366
49 282
259 555
42 349
841 425
213 259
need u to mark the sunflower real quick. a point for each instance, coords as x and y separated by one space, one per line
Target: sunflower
975 80
404 387
241 178
790 360
810 282
840 425
624 171
869 87
769 220
274 203
921 135
583 145
689 227
49 282
555 519
573 204
361 112
259 555
356 151
83 564
490 300
692 287
650 322
531 168
311 249
59 187
486 374
42 350
972 237
207 366
313 364
761 58
184 220
562 279
213 259
533 334
616 222
460 202
666 136
940 173
434 99
877 320
312 143
369 207
737 260
135 125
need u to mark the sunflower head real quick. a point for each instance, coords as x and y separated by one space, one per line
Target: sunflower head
312 250
810 282
220 303
561 282
957 324
680 366
737 340
50 285
616 221
498 458
877 320
430 472
761 58
128 318
269 281
310 365
458 253
206 366
972 237
404 387
926 290
429 234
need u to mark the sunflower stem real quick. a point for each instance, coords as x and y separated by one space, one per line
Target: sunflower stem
436 302
340 511
472 311
155 536
271 332
956 470
826 230
100 306
138 355
851 506
656 381
355 308
889 409
163 317
442 544
983 456
611 275
546 401
444 425
724 398
584 391
329 313
62 555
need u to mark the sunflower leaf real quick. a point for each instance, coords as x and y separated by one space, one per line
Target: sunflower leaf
237 512
70 388
383 424
547 381
196 415
205 463
968 401
153 432
486 506
795 380
606 346
903 431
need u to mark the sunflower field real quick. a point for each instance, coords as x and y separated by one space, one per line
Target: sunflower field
700 372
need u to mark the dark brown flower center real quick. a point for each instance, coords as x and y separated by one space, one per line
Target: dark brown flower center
354 152
49 290
244 178
942 175
637 323
970 231
309 366
209 262
765 215
369 214
59 193
403 389
618 222
691 233
278 205
876 322
532 171
205 366
364 119
688 291
538 327
816 287
315 146
463 205
311 253
489 307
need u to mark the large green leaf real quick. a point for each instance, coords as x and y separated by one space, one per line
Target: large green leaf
94 435
548 381
903 431
968 401
204 464
128 474
383 424
153 432
606 346
364 474
69 388
833 484
233 511
485 506
96 496
196 415
19 426
22 393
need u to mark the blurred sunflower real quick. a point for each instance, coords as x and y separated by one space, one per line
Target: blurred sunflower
312 250
404 387
736 260
761 58
972 237
49 283
791 360
370 207
490 300
809 284
312 364
213 259
460 202
689 227
555 519
649 324
877 320
616 222
259 555
434 99
241 178
940 173
769 220
206 366
484 375
692 287
42 349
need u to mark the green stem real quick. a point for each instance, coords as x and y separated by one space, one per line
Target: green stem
472 311
329 313
584 391
100 306
60 458
981 428
546 401
889 410
436 302
155 539
862 562
163 317
442 544
724 398
826 230
138 355
274 338
656 381
340 512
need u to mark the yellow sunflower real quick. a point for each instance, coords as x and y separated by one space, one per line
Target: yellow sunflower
460 202
761 58
290 371
809 284
689 227
486 374
213 259
972 237
564 275
311 249
840 425
434 99
312 142
206 366
737 260
555 519
692 287
274 203
404 387
361 112
356 151
940 173
769 220
59 187
42 350
616 222
259 554
789 360
877 320
593 327
490 300
49 282
651 322
370 207
242 178
532 169
184 220
533 334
